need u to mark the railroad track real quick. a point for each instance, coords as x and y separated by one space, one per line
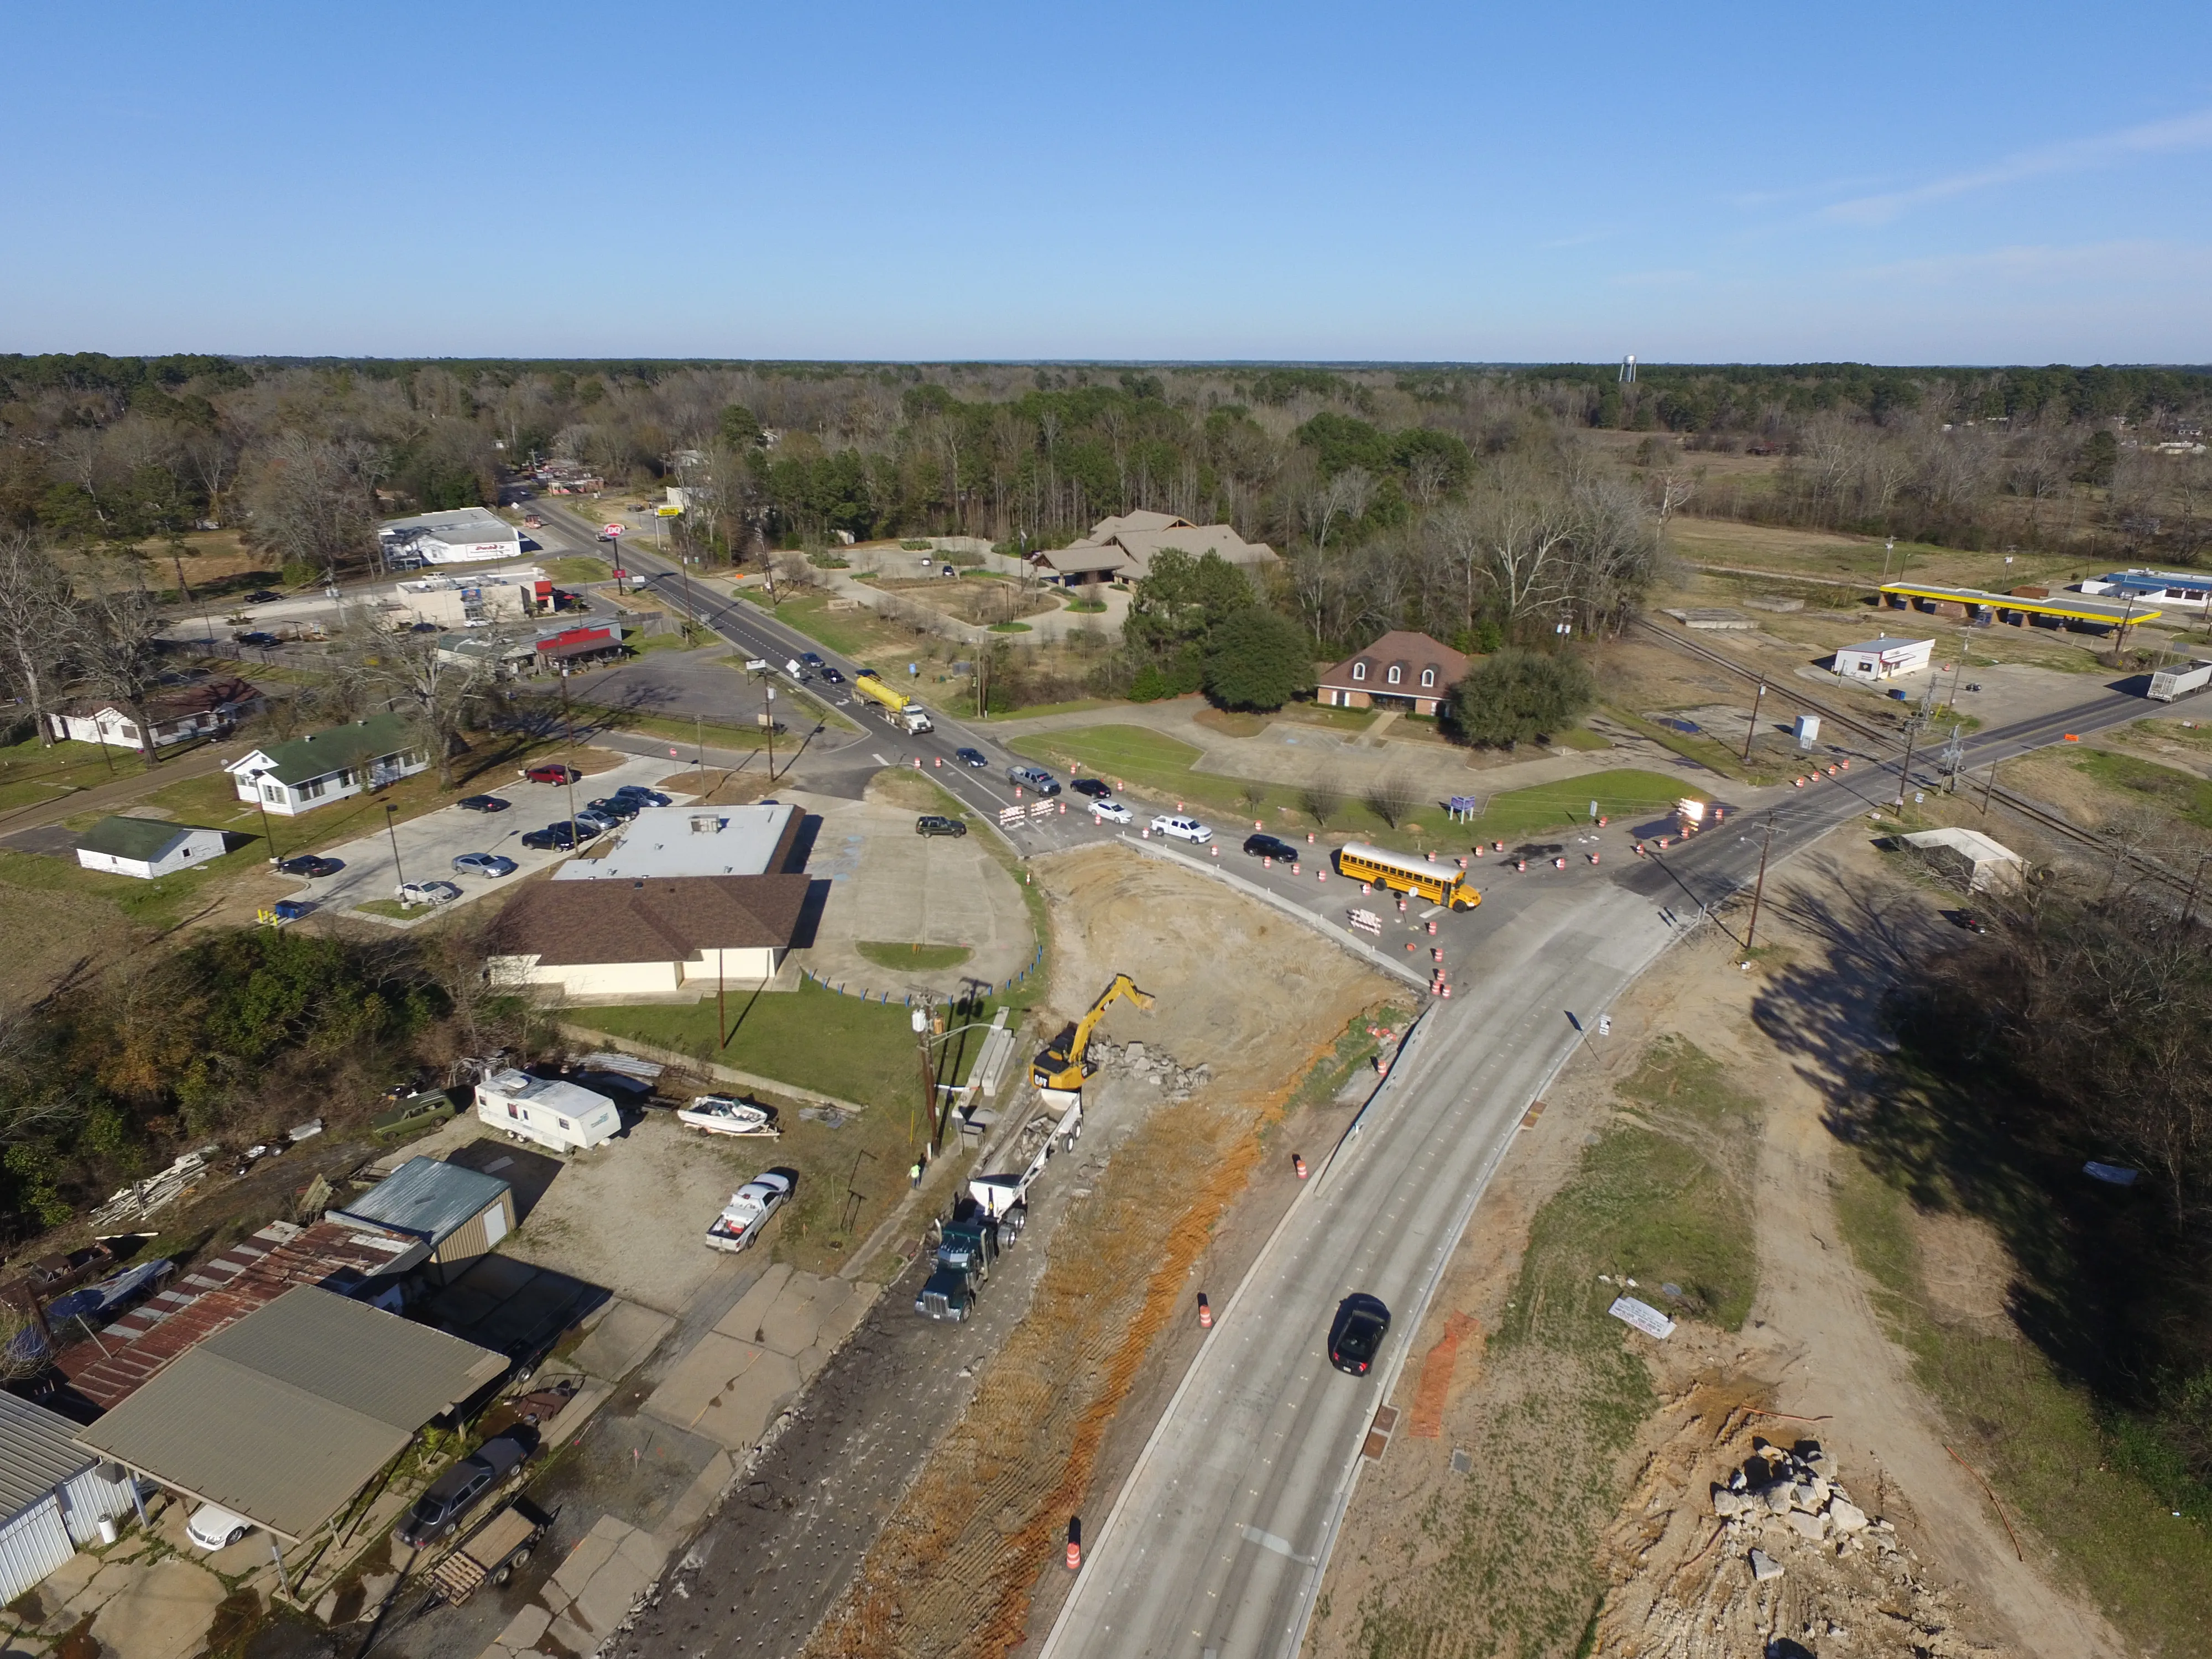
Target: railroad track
2035 813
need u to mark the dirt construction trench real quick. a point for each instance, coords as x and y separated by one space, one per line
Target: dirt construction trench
916 1498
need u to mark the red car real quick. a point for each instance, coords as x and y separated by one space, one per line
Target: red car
555 773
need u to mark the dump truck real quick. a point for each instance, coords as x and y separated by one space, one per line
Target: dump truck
1061 1066
967 1245
491 1553
2168 684
897 708
1439 884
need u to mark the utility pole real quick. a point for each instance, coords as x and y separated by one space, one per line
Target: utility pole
921 1021
1989 788
267 834
391 829
1905 772
1759 887
569 772
768 715
1757 697
1956 669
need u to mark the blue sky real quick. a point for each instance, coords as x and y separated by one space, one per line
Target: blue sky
1964 183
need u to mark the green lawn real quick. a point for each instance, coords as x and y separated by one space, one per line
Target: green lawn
912 955
31 773
2182 794
160 903
813 1037
578 567
1156 767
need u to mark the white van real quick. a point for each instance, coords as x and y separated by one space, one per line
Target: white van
562 1115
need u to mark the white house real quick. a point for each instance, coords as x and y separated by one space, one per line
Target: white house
647 937
1884 658
147 847
463 536
175 713
309 772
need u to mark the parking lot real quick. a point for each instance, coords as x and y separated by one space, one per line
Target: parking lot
429 844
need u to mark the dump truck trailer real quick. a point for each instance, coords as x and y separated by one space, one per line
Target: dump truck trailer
897 708
2168 684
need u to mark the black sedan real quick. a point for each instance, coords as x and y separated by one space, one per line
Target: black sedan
259 639
974 757
263 596
829 674
481 803
311 865
456 1491
618 808
1091 787
1356 1337
555 838
1269 847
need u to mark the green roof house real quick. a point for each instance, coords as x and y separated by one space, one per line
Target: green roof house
307 772
147 847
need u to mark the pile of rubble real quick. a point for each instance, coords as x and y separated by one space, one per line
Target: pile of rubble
1151 1066
1784 1499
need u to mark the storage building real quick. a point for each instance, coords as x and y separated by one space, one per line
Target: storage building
464 535
1970 857
147 847
460 1215
53 1493
1884 658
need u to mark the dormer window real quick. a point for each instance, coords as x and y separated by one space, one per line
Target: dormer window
1394 673
1428 677
1359 670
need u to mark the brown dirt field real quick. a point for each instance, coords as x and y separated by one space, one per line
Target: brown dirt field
973 601
1677 1580
956 1568
55 938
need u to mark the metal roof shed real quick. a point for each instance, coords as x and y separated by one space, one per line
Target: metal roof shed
52 1494
284 1416
461 1213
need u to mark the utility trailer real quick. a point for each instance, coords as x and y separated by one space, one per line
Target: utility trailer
2168 684
491 1553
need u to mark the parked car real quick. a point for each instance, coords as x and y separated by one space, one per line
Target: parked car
1112 810
641 795
974 757
259 640
428 892
617 806
424 628
1182 829
213 1527
1356 1336
263 596
484 863
1270 847
454 1493
481 803
748 1211
533 521
313 866
1033 777
595 821
553 773
1094 788
553 838
936 823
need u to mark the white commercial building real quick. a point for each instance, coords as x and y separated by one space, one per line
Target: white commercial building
147 847
694 840
456 601
658 938
465 535
1884 658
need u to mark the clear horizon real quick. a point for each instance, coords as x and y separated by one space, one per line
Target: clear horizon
1470 186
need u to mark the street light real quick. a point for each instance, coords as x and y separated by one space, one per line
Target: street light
267 834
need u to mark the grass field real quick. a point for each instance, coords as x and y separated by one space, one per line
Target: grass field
578 567
885 955
2182 793
1663 1195
2039 1439
1159 768
160 903
31 773
862 1052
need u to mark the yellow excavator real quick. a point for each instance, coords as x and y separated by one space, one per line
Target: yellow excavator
1061 1064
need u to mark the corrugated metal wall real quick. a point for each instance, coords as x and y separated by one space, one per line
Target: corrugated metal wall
88 1500
32 1546
474 1238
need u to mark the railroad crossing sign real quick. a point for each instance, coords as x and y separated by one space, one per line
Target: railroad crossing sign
614 530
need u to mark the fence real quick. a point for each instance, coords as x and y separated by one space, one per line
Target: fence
906 998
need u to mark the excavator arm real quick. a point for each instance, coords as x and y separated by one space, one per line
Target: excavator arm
1061 1064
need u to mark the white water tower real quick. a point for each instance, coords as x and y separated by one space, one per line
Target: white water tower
1628 369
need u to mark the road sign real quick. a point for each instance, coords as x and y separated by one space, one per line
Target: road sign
667 511
614 530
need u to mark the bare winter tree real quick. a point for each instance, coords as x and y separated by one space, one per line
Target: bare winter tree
312 502
34 626
1321 799
115 637
411 672
1392 797
1347 496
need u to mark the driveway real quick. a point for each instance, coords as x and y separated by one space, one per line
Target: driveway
429 844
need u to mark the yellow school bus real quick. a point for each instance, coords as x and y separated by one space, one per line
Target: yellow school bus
1440 883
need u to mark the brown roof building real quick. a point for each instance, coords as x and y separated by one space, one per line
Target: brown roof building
1401 670
209 709
1122 548
650 937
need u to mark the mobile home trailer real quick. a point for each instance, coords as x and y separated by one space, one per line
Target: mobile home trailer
562 1115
